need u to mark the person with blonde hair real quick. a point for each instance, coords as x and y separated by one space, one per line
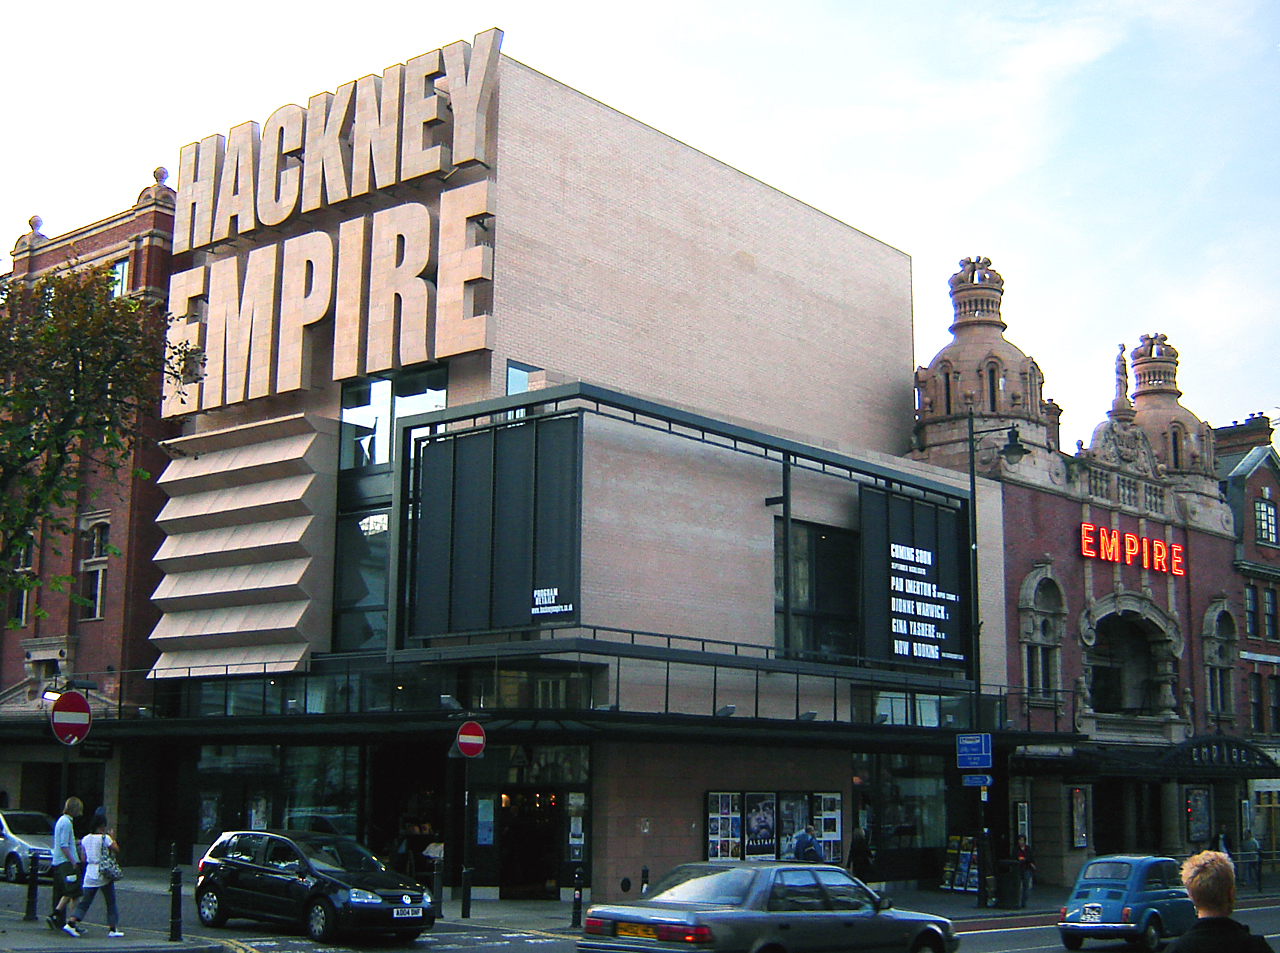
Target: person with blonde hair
66 866
1210 879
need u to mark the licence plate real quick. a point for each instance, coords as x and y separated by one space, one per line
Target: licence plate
1092 913
637 929
399 912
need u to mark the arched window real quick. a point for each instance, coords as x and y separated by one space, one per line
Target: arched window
1043 622
1220 662
1175 448
992 390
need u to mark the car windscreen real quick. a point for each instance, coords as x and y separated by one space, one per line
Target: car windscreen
338 853
1107 870
729 885
28 824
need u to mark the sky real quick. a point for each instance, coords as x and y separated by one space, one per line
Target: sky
1118 161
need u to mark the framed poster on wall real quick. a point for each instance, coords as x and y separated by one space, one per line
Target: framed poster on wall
1079 817
1198 826
761 826
828 825
724 825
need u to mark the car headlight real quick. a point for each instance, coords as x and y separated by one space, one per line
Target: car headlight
363 896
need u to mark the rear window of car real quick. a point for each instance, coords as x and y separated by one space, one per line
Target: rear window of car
1107 870
729 885
29 824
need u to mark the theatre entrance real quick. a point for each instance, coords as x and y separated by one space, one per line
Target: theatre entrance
530 838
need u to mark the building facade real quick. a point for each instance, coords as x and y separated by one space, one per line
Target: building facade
514 410
1123 607
50 640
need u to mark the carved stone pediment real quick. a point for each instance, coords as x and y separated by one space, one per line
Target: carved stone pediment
1125 446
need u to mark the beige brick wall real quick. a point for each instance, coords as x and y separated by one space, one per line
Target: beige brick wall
676 536
629 259
666 785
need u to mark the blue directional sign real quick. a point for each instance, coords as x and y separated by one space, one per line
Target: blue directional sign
973 751
977 780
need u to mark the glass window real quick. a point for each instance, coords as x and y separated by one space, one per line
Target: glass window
518 377
360 567
244 847
843 891
371 407
1273 685
824 588
93 593
1269 613
282 856
1264 521
1255 702
1251 611
120 278
796 890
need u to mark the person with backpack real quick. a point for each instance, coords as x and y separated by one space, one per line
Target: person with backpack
807 848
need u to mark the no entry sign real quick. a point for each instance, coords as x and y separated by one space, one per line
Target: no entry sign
70 717
470 739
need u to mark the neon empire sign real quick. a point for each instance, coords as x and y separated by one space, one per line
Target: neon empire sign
1098 542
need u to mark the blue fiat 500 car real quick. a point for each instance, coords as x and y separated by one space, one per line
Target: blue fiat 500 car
1126 897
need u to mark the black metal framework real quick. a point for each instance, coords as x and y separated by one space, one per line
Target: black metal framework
493 417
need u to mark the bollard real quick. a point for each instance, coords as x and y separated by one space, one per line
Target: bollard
577 899
437 887
466 893
644 880
175 896
33 885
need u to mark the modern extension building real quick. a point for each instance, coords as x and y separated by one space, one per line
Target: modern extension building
515 410
1123 607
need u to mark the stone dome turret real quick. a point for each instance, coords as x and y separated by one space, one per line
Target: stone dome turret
979 371
1182 442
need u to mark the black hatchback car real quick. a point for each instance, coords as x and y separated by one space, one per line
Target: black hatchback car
325 883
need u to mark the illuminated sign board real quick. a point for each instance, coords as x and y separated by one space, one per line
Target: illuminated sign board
1111 545
914 567
345 239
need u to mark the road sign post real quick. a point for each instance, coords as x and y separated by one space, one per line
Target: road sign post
973 751
70 718
471 739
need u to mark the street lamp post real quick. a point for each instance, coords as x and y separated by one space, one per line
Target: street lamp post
1013 451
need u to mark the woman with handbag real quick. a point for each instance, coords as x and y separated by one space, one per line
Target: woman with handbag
100 873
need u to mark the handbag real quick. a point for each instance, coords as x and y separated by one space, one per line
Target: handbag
108 867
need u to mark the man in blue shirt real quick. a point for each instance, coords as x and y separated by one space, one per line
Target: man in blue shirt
66 866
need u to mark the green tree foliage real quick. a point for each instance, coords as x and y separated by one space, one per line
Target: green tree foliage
80 375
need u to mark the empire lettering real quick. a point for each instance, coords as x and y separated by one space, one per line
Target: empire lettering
1110 545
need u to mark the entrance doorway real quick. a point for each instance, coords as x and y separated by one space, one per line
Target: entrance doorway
530 835
1128 816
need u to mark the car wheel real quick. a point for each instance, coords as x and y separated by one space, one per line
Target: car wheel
928 944
209 908
13 869
320 920
1072 942
1151 937
408 936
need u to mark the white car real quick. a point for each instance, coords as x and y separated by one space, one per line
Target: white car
22 832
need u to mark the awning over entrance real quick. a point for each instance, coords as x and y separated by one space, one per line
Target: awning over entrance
1206 756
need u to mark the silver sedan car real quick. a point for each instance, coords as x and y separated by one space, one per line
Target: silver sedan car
784 907
21 832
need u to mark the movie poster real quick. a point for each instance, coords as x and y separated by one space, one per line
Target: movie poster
760 821
793 815
724 825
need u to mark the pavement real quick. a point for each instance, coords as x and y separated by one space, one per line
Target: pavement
18 935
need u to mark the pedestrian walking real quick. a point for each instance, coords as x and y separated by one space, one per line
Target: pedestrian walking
860 855
98 845
66 865
1251 862
1026 869
806 847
